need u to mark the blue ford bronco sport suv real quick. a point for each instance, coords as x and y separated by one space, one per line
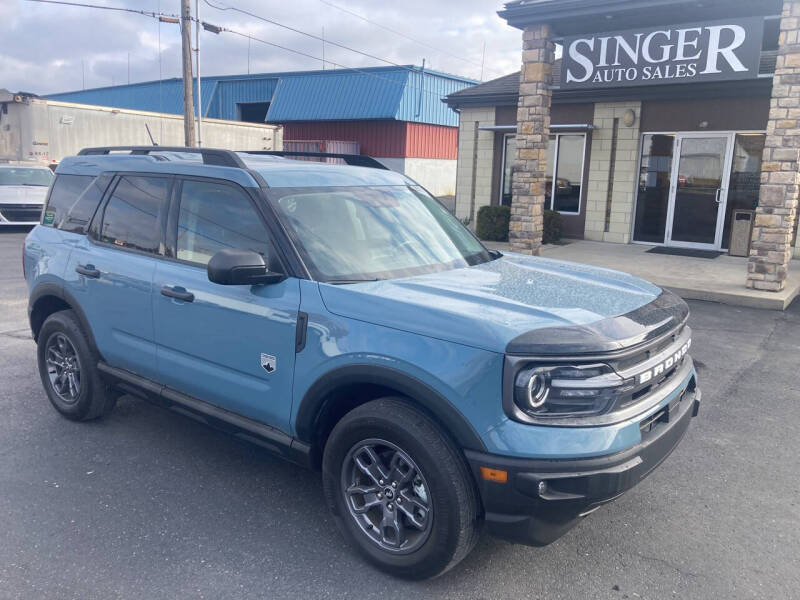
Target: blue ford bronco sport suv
341 317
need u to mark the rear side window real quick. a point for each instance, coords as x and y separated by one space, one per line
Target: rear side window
63 196
77 218
132 215
214 216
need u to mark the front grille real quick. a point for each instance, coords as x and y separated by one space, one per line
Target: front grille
658 360
21 213
646 353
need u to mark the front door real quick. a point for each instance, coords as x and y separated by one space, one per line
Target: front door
699 190
229 345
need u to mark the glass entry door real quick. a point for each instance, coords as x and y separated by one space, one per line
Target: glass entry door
699 180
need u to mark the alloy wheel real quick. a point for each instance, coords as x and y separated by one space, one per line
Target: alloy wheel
63 368
387 496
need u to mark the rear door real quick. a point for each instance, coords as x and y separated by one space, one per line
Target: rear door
111 270
232 346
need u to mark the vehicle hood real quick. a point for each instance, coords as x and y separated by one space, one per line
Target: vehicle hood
513 304
23 194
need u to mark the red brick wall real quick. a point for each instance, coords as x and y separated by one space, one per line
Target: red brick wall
386 139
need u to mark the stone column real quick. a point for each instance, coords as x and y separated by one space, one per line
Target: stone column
771 249
533 132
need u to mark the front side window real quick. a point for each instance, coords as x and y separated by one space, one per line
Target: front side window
368 233
215 216
132 216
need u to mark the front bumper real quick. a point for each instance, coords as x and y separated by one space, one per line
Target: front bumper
543 499
20 214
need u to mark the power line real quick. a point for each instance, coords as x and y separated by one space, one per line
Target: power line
400 33
310 35
159 15
146 13
335 64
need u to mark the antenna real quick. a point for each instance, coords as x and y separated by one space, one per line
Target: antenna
150 135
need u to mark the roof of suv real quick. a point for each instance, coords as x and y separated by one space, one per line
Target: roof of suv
278 172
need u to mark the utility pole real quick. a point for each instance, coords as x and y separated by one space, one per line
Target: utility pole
188 96
197 60
483 58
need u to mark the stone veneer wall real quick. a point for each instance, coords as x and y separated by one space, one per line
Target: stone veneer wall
475 155
771 249
623 186
533 131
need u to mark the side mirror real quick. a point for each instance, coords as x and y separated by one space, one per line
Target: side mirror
234 266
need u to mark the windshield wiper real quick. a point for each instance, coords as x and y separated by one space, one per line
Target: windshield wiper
346 281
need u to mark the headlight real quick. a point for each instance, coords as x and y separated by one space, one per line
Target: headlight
558 391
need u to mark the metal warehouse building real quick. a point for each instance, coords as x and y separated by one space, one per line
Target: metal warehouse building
394 114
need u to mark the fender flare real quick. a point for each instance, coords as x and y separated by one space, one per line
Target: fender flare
53 289
312 404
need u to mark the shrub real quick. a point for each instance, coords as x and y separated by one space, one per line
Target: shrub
552 227
493 223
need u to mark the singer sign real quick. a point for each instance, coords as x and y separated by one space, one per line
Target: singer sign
717 51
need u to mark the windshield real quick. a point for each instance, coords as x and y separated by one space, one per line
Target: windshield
349 234
25 176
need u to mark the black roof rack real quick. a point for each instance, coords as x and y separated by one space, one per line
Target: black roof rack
211 156
356 160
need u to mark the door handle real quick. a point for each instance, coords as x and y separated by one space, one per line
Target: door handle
177 292
88 271
718 197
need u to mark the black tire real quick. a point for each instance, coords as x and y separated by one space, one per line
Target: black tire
91 397
445 483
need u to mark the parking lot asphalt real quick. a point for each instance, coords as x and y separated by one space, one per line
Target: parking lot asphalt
148 504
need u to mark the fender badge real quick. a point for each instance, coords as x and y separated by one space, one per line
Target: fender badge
269 362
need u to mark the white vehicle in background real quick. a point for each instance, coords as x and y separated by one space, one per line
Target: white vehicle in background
23 190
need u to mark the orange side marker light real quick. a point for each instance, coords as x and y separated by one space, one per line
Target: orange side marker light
496 475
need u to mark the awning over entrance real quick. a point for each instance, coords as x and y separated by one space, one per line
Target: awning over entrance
566 127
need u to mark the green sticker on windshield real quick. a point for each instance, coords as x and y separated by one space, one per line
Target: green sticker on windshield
49 217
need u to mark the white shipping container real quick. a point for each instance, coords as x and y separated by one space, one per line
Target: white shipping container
45 131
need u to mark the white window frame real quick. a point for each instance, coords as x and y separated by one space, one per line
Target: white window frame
554 171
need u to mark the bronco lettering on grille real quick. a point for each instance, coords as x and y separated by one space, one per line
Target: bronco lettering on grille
665 365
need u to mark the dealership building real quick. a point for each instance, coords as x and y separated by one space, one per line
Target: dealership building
669 123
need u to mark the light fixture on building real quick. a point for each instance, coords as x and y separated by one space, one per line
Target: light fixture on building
629 118
702 125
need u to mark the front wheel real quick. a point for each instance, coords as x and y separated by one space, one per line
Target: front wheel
399 491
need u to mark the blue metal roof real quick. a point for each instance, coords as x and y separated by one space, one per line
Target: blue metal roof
397 93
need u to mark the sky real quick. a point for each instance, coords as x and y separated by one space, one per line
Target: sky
50 48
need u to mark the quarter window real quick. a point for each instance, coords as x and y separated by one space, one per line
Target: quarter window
63 196
131 217
215 216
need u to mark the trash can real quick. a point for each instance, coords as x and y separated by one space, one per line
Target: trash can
741 232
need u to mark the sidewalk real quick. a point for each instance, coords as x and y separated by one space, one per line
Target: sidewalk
719 280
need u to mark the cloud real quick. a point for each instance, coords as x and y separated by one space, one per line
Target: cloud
50 48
